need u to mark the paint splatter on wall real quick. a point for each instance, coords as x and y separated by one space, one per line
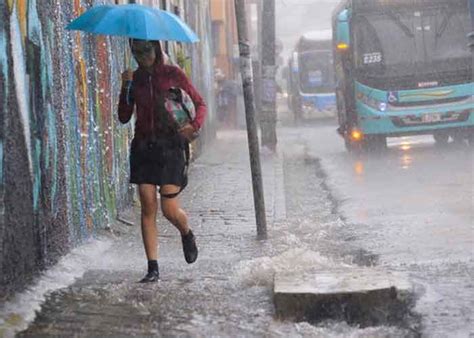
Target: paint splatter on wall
63 154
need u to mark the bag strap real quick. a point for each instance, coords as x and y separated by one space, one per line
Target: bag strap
186 111
187 154
179 99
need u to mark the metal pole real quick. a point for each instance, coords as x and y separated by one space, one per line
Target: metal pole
258 64
470 36
128 56
252 135
268 93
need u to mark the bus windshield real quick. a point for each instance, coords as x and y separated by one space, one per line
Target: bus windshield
316 74
430 44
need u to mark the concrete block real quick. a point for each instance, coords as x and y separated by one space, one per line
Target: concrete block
362 296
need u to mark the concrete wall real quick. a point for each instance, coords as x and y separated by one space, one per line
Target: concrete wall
63 153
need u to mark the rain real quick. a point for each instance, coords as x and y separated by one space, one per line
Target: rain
325 165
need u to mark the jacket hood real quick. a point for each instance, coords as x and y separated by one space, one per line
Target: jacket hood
160 57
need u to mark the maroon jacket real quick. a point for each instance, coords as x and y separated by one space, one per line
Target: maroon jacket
145 92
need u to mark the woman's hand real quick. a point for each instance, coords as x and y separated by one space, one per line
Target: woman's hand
127 76
187 131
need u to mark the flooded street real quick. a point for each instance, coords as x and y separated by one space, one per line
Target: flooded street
237 168
228 292
339 210
412 208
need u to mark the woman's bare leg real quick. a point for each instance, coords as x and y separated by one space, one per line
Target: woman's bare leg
149 204
171 209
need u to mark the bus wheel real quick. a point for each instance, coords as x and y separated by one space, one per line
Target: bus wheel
441 138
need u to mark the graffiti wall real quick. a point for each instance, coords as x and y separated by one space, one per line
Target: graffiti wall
63 153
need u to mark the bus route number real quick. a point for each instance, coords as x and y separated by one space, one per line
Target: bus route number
371 58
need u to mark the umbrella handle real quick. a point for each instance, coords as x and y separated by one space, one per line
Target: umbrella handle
127 57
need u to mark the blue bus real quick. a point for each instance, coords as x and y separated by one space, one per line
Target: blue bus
402 68
311 76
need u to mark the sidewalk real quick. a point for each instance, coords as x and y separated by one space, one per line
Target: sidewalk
201 299
228 292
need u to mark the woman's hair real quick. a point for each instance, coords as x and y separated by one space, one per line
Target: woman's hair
158 50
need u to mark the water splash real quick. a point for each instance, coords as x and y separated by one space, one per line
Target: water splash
18 312
261 271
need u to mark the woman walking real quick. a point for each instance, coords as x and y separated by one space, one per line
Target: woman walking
157 155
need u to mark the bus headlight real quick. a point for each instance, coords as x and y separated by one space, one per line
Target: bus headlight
373 103
382 106
378 105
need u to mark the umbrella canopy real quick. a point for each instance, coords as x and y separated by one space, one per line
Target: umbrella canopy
134 21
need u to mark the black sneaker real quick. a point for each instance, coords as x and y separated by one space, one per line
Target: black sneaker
151 277
189 247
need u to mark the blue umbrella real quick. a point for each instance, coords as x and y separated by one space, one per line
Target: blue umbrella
134 21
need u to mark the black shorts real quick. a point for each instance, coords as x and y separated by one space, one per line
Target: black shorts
158 161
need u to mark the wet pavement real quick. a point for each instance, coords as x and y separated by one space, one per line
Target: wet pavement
228 291
412 209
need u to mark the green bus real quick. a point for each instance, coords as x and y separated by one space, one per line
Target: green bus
402 68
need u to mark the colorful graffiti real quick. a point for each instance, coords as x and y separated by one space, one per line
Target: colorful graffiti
63 153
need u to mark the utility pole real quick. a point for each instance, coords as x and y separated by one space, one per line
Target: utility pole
268 93
252 135
257 63
470 36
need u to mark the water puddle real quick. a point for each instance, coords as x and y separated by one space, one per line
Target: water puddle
18 312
